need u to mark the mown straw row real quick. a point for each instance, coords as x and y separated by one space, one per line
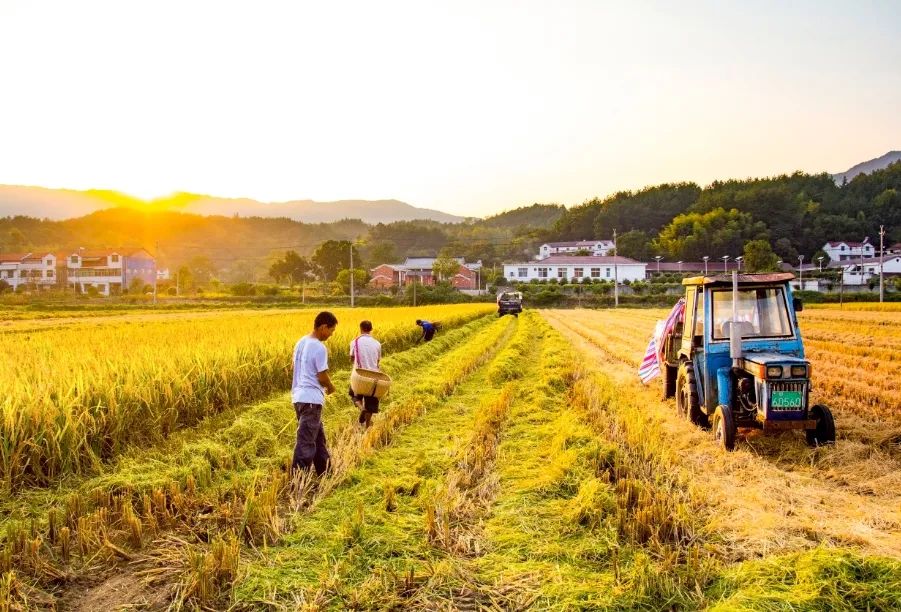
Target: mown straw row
231 483
76 396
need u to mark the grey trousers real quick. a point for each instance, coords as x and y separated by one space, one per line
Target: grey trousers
310 449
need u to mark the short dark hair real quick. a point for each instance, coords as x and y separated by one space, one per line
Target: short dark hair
418 322
366 326
325 318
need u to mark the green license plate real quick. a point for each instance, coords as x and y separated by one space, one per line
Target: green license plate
786 399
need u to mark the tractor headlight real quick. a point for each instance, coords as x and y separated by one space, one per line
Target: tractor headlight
799 371
774 371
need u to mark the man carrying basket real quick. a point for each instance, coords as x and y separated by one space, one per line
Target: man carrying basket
366 353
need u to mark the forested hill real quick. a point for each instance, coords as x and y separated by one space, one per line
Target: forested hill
796 213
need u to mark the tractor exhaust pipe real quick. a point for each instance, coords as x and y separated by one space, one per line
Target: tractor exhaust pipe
734 333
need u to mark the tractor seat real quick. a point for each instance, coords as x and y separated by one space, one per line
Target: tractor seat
743 327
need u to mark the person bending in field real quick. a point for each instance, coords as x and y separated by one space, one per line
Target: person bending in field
428 329
365 353
311 383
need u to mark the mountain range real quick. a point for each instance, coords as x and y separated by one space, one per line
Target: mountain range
60 204
867 167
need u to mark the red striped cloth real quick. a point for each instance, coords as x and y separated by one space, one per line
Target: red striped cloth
653 356
649 367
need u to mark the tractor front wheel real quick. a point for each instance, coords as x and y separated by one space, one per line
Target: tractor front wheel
824 432
724 427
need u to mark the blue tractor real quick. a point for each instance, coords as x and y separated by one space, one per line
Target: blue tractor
737 359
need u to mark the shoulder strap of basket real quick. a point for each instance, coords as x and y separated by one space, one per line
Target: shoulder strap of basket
357 352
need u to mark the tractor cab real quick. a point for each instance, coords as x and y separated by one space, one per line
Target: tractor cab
737 359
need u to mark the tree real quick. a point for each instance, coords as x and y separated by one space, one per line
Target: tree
16 240
361 277
382 253
292 267
634 244
759 257
202 268
184 279
445 266
333 256
4 286
136 286
719 232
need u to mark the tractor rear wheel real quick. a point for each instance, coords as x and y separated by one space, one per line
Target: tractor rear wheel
687 403
824 432
724 427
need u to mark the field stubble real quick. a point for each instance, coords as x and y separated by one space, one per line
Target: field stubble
774 495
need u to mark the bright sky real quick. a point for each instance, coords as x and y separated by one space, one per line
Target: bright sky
470 107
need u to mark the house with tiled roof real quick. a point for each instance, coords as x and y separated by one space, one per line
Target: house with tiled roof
419 270
33 269
843 250
109 270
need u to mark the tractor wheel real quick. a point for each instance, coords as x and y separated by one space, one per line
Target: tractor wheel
824 433
687 403
724 427
667 381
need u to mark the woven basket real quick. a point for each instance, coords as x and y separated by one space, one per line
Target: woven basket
370 383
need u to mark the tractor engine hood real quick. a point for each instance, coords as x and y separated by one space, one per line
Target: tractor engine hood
774 366
766 359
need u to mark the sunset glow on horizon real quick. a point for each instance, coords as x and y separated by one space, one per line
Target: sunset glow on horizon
466 107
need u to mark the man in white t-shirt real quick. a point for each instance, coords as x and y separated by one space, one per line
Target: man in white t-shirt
366 353
310 385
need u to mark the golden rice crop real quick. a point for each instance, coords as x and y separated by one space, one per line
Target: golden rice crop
76 394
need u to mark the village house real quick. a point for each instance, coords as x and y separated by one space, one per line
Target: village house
109 271
36 269
589 247
860 272
843 251
420 270
576 268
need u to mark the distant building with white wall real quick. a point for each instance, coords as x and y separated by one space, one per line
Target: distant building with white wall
839 251
592 247
569 268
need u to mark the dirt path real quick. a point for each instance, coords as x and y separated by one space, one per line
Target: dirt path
773 494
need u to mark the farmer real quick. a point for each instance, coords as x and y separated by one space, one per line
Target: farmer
365 353
428 329
308 390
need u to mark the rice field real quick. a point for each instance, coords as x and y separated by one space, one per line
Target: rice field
517 464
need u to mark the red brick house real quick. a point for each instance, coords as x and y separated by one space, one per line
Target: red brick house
419 270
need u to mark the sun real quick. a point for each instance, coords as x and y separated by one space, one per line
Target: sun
149 195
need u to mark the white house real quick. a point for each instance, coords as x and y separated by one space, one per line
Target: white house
576 267
108 270
594 247
853 273
30 269
843 251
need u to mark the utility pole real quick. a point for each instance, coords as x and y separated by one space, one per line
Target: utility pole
615 273
881 256
156 270
351 274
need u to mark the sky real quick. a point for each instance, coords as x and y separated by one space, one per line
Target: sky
470 107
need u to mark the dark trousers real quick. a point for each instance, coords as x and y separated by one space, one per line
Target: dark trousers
310 447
